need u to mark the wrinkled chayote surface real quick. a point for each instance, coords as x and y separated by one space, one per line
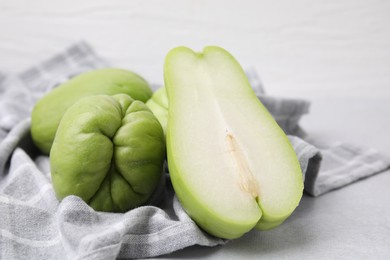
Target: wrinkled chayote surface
108 150
48 111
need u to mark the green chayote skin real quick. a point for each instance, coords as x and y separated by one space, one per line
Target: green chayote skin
108 150
48 111
158 103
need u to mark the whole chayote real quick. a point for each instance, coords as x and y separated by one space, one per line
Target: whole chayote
158 103
48 111
108 150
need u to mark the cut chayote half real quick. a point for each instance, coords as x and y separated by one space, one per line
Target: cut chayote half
108 150
232 167
48 111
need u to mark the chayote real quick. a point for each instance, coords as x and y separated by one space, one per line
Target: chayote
108 150
158 103
48 111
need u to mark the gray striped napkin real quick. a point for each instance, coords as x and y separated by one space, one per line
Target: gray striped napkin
35 225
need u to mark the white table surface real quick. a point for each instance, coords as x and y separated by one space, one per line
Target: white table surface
334 53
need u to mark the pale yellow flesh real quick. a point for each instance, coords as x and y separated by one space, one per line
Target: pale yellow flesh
229 160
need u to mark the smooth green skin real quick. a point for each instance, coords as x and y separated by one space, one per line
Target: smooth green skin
108 150
158 103
216 67
48 111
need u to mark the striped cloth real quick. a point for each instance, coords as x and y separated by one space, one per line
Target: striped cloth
35 225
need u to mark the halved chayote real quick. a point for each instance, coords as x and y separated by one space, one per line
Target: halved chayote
108 150
232 167
48 111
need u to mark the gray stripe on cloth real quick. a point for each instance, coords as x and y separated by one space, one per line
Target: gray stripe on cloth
343 164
